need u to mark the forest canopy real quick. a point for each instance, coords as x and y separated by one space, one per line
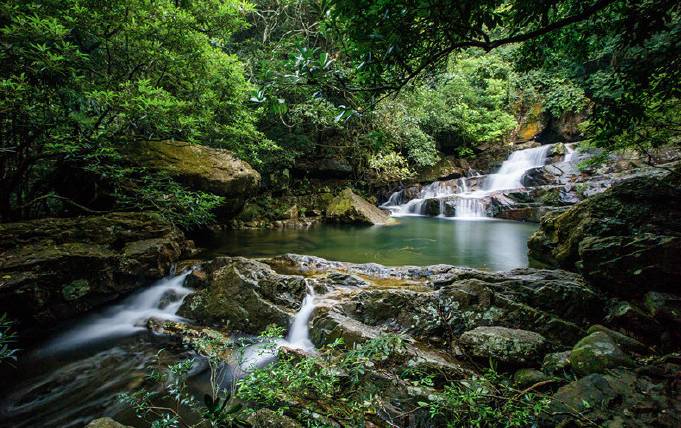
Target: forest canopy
387 86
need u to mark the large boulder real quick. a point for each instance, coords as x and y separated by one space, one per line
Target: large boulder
506 345
200 167
244 295
55 268
351 208
626 239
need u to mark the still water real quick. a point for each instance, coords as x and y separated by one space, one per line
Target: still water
486 243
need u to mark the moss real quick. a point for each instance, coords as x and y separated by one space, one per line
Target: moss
76 289
596 353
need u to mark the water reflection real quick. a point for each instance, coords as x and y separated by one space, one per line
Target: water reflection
488 244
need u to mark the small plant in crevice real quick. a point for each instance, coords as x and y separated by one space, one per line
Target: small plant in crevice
7 340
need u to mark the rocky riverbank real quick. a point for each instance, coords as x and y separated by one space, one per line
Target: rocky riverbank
53 269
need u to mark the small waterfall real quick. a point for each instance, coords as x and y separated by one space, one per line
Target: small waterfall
161 301
469 203
469 208
570 153
299 335
260 354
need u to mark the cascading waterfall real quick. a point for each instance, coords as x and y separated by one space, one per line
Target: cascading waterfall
512 170
161 301
468 203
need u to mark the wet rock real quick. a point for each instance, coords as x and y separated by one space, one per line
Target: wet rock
596 353
348 207
52 269
625 342
244 295
638 262
631 317
625 240
553 174
621 398
329 324
556 363
106 423
510 346
524 378
433 302
664 307
431 207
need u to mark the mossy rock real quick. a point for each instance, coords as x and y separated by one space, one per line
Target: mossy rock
76 289
506 345
626 239
596 353
351 208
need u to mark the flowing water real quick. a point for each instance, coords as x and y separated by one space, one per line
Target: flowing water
468 197
76 375
261 354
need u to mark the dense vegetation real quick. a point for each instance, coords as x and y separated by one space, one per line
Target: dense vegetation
387 87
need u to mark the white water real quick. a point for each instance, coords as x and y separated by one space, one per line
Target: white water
299 334
470 204
570 153
161 301
260 354
512 170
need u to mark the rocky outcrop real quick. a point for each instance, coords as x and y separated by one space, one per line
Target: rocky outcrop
542 326
646 397
55 268
626 239
436 304
202 168
244 295
505 345
351 208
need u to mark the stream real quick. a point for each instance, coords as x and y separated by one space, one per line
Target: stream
76 375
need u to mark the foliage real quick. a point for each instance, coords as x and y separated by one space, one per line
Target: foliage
332 383
218 410
7 339
396 41
487 400
626 61
80 79
390 167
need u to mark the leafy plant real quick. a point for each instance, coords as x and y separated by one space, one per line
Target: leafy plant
7 338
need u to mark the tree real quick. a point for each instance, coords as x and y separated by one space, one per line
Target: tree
81 79
624 54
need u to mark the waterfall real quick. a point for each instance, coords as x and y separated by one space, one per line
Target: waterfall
513 168
570 153
469 203
469 207
260 354
161 301
299 335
